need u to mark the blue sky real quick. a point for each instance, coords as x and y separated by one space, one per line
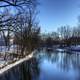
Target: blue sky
55 13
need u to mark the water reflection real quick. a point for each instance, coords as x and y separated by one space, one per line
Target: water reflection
58 65
30 69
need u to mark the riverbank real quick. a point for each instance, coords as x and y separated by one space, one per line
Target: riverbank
6 68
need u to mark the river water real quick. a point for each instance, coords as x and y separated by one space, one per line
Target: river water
57 65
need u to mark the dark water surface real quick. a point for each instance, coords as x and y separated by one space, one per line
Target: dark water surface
56 65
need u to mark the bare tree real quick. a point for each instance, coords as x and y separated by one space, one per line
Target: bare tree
27 36
17 3
17 6
5 27
65 32
26 30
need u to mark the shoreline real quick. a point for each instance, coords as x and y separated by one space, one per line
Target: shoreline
8 67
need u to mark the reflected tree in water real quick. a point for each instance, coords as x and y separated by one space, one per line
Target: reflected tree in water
30 70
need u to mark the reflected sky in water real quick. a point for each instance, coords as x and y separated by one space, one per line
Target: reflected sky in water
58 65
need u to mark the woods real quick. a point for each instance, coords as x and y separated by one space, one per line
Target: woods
19 29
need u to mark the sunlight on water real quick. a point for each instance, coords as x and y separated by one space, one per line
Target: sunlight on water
58 66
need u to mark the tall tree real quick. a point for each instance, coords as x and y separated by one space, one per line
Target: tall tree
65 32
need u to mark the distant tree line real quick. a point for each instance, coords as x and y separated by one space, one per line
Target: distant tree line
64 36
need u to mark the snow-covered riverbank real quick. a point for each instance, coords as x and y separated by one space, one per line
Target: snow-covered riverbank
73 48
14 70
16 63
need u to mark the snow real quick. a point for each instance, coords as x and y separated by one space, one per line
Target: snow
16 63
75 48
60 50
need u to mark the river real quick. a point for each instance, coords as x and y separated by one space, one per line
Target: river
57 65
